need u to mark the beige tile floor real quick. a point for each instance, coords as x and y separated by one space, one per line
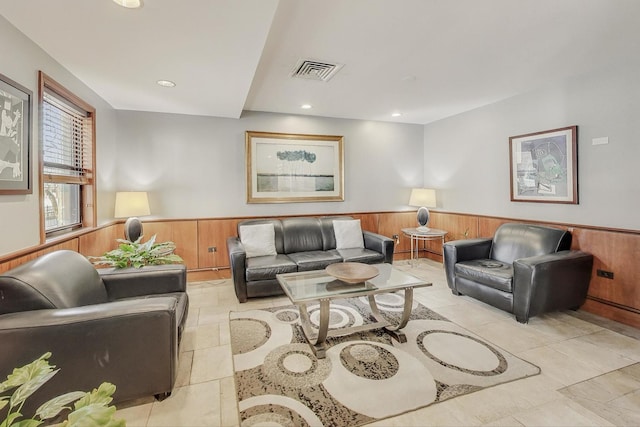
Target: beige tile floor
590 366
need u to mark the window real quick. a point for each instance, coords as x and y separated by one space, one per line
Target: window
67 141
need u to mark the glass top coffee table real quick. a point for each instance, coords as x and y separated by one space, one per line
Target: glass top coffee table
317 286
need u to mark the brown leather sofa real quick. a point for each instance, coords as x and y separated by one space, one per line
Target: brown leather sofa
120 326
524 269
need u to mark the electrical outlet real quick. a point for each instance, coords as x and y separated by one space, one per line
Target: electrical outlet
212 249
605 274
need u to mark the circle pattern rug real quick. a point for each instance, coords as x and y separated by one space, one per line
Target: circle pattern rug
365 377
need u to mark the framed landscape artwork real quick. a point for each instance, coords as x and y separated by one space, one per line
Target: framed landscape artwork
15 138
283 168
544 166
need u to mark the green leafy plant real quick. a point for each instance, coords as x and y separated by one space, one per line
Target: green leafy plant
90 408
137 254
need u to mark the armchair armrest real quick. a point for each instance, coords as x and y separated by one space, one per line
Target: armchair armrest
133 344
237 263
463 250
148 280
557 281
379 243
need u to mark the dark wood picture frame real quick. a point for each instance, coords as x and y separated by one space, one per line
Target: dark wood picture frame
544 166
15 137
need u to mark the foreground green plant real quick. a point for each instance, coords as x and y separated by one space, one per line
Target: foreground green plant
137 254
90 408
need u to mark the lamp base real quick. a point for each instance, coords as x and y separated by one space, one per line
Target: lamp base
132 229
422 229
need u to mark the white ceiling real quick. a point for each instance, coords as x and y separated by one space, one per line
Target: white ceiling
427 59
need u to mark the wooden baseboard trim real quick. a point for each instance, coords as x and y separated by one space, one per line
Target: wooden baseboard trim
626 316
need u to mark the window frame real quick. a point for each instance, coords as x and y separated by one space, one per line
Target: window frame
88 214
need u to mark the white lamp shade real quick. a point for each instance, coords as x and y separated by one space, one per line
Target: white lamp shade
423 197
129 4
132 203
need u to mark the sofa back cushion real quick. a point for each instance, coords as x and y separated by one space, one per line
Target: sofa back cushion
277 229
302 234
60 279
513 241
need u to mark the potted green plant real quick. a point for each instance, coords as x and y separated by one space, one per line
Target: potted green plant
137 254
90 408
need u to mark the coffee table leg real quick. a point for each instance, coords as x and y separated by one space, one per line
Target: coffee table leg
394 331
319 343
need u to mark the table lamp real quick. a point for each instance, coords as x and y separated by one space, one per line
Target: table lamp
130 205
423 197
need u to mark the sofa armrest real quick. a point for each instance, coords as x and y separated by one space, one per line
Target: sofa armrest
379 243
463 250
557 281
237 263
148 280
132 344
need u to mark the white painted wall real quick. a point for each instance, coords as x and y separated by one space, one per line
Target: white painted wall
467 156
20 214
194 166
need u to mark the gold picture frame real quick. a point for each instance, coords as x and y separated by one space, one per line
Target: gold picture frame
289 168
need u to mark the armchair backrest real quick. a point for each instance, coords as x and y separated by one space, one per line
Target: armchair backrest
513 241
60 279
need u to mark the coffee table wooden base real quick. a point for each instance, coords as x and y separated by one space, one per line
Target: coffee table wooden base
318 341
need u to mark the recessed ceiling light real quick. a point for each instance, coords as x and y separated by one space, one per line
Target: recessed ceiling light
129 4
166 83
305 106
396 114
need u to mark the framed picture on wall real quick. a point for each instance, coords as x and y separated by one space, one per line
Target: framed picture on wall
283 168
544 166
15 138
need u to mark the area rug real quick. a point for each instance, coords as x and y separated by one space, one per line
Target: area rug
365 377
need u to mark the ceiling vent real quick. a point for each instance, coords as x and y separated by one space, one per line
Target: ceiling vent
315 70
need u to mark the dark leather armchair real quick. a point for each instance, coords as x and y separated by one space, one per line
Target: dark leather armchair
121 326
524 269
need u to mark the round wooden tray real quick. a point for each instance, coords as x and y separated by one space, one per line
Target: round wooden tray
352 272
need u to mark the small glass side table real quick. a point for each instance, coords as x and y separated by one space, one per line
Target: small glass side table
417 236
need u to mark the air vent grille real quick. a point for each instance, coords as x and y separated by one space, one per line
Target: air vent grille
315 70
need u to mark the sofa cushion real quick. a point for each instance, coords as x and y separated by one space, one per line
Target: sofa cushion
496 274
366 256
258 239
348 234
314 260
266 267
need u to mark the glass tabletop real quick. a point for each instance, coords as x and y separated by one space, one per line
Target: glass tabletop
315 285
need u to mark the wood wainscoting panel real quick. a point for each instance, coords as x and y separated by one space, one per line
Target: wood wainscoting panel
392 223
7 265
183 233
368 222
457 226
214 233
487 226
100 241
615 252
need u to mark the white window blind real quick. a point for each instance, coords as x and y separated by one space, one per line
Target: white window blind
67 142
